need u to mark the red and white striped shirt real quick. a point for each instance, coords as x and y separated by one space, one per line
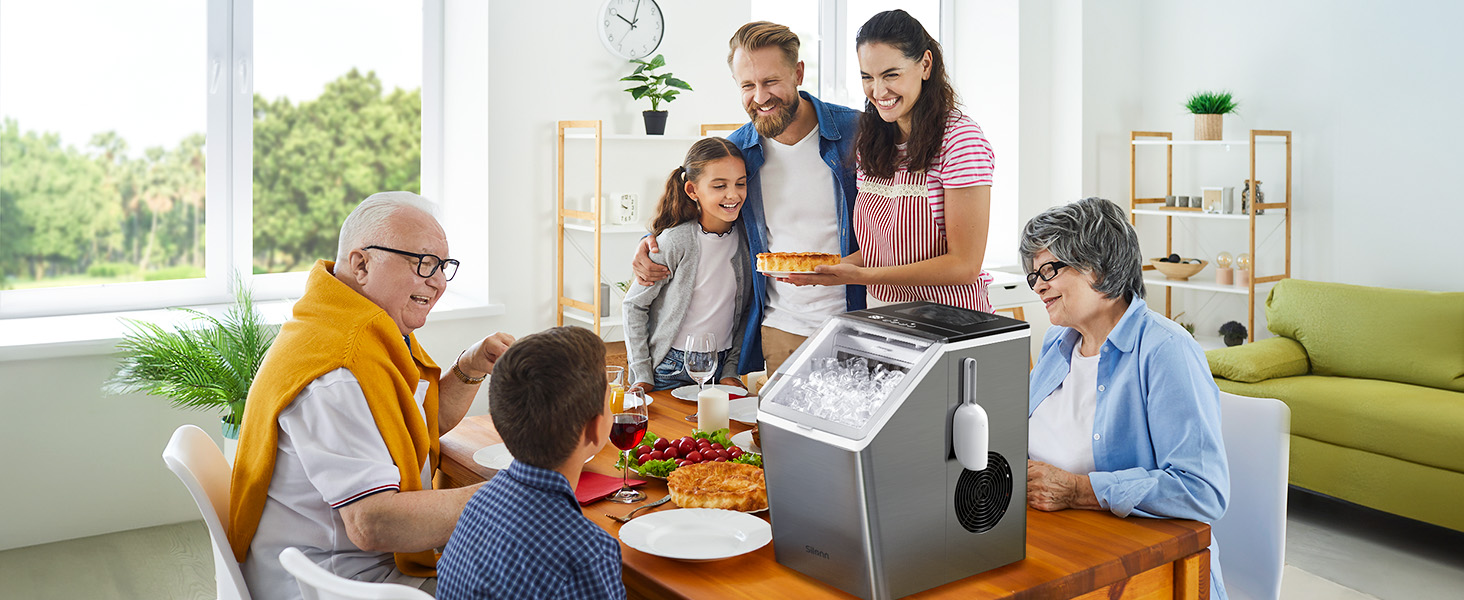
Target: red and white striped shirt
900 220
965 160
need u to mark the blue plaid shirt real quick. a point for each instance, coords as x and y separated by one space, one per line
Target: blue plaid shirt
522 535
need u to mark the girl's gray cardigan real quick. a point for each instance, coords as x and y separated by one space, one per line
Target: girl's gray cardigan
653 314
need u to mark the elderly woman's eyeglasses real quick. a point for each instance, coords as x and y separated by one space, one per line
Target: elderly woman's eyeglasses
427 264
1047 271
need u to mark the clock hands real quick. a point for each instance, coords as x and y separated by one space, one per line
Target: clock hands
632 24
634 15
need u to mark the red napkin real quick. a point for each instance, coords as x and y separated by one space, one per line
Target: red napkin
594 486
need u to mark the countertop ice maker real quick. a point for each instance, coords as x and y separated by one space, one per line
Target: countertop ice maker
895 444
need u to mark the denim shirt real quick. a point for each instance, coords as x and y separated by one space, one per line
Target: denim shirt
1156 430
837 126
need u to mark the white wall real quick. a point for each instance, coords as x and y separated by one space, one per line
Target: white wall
1366 88
1369 90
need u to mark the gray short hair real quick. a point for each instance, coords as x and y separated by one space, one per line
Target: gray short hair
371 220
1094 236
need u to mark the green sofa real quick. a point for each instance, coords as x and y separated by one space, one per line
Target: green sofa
1375 381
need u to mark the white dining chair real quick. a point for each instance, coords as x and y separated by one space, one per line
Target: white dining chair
316 583
1252 534
196 460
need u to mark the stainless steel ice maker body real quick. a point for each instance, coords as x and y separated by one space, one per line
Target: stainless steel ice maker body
879 506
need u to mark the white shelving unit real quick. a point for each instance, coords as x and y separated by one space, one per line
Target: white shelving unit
1275 210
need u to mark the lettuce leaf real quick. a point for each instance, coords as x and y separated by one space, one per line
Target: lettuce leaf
749 458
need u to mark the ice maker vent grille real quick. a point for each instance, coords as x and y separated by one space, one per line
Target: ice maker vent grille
982 496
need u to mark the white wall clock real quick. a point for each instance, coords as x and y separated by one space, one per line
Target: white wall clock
631 28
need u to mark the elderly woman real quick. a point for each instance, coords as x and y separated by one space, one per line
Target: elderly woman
1123 413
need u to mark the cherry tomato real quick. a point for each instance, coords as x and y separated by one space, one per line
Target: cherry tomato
716 446
694 457
661 444
720 459
670 452
656 455
734 452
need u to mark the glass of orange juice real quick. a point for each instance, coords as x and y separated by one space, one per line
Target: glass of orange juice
615 376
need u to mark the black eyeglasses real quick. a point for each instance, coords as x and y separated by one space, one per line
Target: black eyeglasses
1047 271
430 262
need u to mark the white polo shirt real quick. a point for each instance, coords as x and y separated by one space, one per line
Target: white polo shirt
330 454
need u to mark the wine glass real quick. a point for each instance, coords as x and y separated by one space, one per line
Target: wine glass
701 361
626 431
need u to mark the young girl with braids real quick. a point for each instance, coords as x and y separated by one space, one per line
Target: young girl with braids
702 242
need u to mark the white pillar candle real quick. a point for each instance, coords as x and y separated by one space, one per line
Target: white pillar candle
711 409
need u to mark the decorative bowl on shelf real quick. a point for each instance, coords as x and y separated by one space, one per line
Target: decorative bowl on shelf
1179 271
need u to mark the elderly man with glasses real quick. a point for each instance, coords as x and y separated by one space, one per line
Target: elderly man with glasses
341 429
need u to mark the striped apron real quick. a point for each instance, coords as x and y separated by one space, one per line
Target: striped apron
895 225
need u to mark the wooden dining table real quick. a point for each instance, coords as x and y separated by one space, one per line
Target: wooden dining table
1070 554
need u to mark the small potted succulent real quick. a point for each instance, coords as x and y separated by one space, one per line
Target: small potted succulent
1233 332
659 88
1209 109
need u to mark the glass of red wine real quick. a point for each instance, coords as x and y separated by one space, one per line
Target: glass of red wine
627 429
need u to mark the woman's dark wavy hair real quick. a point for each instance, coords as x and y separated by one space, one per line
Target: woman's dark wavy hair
877 138
676 207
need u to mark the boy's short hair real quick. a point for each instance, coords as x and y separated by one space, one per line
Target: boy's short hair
545 389
762 34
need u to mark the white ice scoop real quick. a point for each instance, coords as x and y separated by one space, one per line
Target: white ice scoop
970 430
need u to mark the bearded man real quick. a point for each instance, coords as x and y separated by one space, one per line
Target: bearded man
801 186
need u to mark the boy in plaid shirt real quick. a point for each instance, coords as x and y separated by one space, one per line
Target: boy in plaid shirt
522 535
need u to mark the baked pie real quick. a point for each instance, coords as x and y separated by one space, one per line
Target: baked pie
725 485
794 262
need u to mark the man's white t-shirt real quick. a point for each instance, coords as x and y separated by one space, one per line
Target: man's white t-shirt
801 216
329 455
1060 431
714 293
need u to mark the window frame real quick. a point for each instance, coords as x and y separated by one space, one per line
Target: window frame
228 204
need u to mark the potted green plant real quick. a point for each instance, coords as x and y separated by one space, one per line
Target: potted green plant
1209 109
206 367
659 88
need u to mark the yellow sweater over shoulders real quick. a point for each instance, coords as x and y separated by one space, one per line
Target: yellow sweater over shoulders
334 327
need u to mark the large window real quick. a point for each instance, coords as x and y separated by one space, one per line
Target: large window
153 148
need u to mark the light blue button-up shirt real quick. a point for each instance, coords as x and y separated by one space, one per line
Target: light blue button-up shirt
1156 430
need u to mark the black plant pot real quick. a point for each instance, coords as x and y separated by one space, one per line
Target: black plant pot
655 121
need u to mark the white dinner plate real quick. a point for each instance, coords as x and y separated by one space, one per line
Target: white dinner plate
689 392
697 534
786 273
743 410
744 441
631 401
497 457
